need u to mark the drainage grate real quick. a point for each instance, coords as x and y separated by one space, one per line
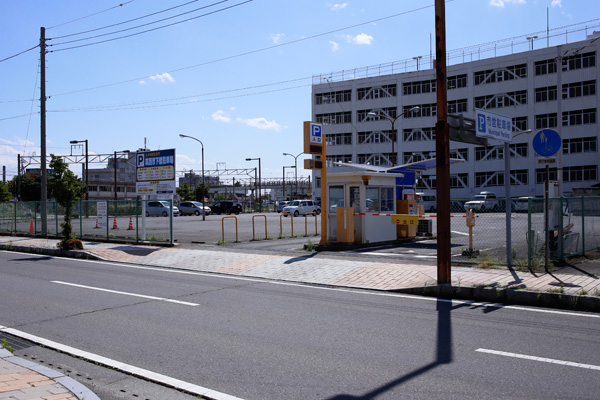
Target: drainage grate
14 342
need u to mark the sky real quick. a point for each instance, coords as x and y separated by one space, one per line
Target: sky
235 74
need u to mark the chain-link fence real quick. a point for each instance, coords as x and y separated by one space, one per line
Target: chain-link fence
94 219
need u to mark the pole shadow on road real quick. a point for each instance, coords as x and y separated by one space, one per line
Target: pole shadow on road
443 355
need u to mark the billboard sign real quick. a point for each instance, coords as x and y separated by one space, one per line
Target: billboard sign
155 172
493 126
313 137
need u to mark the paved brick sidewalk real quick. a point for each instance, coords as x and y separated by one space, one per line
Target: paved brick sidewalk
23 380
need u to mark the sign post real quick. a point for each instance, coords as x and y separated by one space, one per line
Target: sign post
546 143
314 143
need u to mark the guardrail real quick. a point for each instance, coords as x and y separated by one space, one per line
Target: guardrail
281 224
223 227
253 231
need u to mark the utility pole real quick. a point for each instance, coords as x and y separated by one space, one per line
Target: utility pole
442 151
44 190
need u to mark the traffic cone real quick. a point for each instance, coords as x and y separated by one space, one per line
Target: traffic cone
130 225
96 227
31 229
115 224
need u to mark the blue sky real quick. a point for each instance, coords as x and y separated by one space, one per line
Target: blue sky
239 78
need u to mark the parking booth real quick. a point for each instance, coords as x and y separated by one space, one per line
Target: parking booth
361 204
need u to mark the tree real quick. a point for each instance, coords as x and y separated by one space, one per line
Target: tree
201 191
65 188
31 187
185 192
5 194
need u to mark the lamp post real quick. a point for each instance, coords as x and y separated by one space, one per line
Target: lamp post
115 165
87 194
417 58
296 168
259 180
393 121
203 184
292 166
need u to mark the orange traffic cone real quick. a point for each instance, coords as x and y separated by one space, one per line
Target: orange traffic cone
31 229
96 227
115 224
130 225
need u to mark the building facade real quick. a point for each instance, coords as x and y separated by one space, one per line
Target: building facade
553 87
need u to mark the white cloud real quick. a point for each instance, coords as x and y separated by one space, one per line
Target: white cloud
334 46
360 39
502 3
142 82
556 3
276 37
219 115
338 6
261 123
163 77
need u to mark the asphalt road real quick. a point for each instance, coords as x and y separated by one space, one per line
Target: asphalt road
256 339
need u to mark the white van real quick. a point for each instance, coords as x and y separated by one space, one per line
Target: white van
427 200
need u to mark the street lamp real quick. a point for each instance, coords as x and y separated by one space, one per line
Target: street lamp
203 184
293 166
393 121
417 58
259 180
296 168
531 39
87 194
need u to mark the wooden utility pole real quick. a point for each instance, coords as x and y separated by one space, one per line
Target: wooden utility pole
44 190
442 148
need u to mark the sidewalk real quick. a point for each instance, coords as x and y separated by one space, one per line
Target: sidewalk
24 380
574 287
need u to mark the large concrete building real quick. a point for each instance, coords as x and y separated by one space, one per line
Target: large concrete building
553 87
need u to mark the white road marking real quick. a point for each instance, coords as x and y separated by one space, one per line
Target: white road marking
140 372
460 233
185 303
540 359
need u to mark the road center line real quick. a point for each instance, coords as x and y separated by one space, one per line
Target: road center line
185 303
540 359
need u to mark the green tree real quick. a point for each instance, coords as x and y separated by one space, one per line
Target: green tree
201 191
5 194
31 187
185 192
66 189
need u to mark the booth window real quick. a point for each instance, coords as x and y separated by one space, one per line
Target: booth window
380 199
336 198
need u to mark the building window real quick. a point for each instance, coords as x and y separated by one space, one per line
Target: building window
457 106
519 177
419 135
540 175
377 114
518 149
580 173
457 81
519 124
344 158
376 92
375 159
545 67
580 145
490 178
335 118
489 153
379 199
425 110
544 121
338 139
501 100
578 61
92 188
579 89
459 181
334 97
459 154
579 117
105 189
545 94
376 137
418 87
501 74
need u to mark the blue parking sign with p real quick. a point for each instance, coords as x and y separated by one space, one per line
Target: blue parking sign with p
315 133
481 123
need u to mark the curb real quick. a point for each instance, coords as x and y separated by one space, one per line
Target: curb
79 390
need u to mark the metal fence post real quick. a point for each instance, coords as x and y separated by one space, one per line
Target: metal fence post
80 220
583 224
530 235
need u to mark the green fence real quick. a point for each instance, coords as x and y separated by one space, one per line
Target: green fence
94 219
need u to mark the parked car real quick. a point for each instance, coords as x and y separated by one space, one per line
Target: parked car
281 205
193 207
297 207
160 209
427 200
482 202
226 207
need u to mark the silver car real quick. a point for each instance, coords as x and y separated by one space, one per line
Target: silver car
160 209
193 208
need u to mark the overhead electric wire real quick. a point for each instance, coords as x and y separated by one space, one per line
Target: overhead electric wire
125 22
150 30
91 15
18 54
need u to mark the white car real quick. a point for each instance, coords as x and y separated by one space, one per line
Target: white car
482 202
301 207
160 209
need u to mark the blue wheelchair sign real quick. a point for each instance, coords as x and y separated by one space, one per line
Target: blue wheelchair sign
547 142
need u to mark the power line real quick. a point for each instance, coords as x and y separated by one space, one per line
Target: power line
18 54
149 30
125 22
91 15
